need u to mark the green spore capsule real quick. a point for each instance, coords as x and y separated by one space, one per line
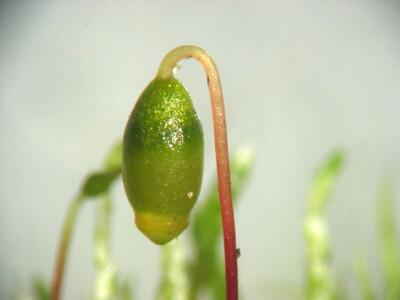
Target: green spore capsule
162 160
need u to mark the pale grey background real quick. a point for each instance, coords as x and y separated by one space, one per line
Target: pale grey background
300 78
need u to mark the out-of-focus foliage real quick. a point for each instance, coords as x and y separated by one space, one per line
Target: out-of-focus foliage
389 246
388 242
105 280
364 279
320 281
107 284
99 182
41 289
174 279
38 290
206 268
202 274
175 283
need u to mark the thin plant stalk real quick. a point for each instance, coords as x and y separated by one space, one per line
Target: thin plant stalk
221 149
63 246
95 184
207 268
105 270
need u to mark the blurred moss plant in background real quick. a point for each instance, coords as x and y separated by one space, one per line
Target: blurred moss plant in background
198 272
177 280
389 248
320 281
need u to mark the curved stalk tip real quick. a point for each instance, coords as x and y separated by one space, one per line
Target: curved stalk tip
221 149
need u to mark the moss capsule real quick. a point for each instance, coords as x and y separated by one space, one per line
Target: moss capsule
162 160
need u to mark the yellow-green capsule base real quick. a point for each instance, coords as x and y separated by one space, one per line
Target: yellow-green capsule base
160 228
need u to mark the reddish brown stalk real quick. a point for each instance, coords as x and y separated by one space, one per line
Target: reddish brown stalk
221 150
63 246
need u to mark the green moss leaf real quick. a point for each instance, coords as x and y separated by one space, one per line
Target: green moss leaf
388 241
41 289
99 182
324 181
320 279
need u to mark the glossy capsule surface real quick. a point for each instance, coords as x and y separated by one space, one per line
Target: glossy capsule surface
162 159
